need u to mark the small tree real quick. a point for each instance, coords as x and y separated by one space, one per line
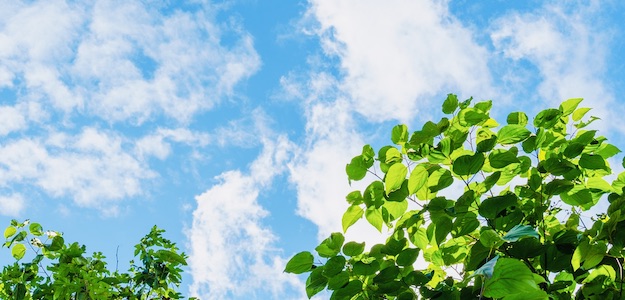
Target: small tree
63 271
515 232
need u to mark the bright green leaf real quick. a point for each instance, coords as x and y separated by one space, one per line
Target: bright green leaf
351 216
512 134
568 107
490 239
579 113
399 135
18 251
602 270
300 263
36 229
9 232
418 178
395 177
510 276
356 169
588 255
374 216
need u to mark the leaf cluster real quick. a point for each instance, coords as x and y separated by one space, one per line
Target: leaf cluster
490 211
60 270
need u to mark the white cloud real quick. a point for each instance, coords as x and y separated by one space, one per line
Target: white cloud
121 60
568 46
396 55
94 167
12 205
11 119
231 253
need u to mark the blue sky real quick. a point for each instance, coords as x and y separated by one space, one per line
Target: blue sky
229 123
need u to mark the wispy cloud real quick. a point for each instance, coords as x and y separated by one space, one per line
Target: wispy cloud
568 44
70 68
232 253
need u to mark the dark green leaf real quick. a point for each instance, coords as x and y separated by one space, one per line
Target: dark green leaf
300 263
316 282
361 268
592 162
491 207
333 266
347 292
468 164
338 281
450 104
501 158
388 274
471 116
407 257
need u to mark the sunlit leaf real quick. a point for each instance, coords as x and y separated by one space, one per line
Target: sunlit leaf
510 276
18 251
9 232
512 134
351 216
395 177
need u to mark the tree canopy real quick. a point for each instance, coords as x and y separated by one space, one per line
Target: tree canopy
491 210
60 270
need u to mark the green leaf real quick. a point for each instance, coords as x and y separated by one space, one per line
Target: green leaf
395 177
491 207
603 270
362 268
567 107
500 158
490 239
351 216
450 104
356 169
547 118
484 106
579 113
399 135
587 255
418 178
439 179
334 266
471 116
510 277
316 282
353 248
407 257
331 246
338 281
18 251
512 134
592 162
517 118
347 292
468 164
607 150
520 231
57 243
35 229
300 263
9 232
374 216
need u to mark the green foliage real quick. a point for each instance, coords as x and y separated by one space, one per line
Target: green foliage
64 271
492 212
